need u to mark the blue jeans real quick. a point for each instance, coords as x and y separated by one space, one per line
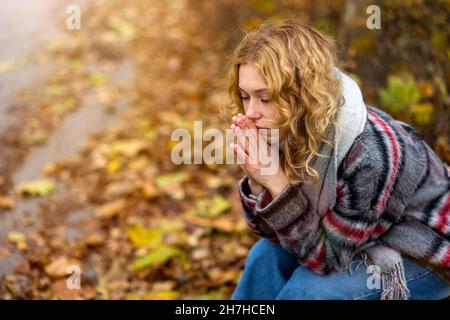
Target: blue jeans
271 272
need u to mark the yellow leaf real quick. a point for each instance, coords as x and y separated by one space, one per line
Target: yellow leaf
162 295
171 225
143 237
114 165
63 106
139 164
128 148
212 295
11 65
55 90
41 187
98 79
422 113
16 236
124 28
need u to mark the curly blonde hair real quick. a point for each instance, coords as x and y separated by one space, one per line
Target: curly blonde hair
296 61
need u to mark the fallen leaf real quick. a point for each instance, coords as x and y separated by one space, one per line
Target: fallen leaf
162 295
16 236
211 208
422 113
6 202
62 292
171 184
157 257
41 187
95 239
110 209
167 285
123 27
143 237
59 267
212 295
168 180
63 106
128 148
98 78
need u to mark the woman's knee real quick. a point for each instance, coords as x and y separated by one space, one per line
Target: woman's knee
304 285
260 252
271 257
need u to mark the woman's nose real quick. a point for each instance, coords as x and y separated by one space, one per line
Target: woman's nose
252 110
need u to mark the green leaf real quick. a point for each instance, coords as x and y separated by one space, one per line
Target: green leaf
326 25
171 178
211 208
41 187
157 257
400 94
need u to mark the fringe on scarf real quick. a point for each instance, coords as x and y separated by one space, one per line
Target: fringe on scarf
394 283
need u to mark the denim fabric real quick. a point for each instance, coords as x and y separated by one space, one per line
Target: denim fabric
274 273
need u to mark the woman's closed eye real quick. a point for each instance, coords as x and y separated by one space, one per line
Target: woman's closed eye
263 100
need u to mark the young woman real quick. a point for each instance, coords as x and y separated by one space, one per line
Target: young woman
359 207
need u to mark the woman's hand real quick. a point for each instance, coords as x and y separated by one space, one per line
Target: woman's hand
255 187
249 144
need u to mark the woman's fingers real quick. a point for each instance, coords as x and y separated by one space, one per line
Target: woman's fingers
248 140
246 135
234 148
250 124
242 156
241 139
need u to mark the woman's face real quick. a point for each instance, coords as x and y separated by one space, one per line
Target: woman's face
255 97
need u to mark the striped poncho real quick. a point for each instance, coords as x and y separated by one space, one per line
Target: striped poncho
392 190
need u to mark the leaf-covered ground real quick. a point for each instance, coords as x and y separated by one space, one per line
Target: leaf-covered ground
137 225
